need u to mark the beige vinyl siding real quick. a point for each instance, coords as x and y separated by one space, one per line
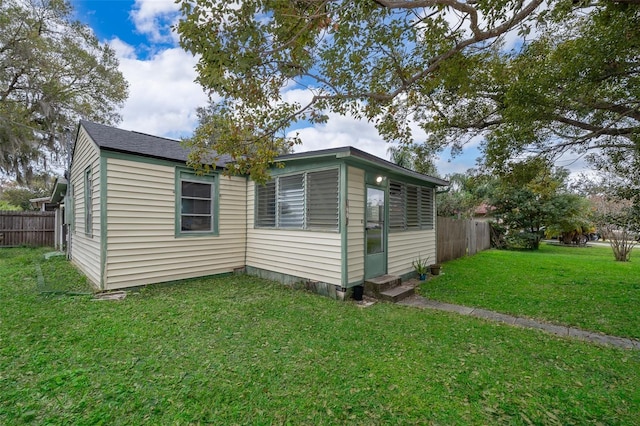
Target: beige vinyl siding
404 247
355 229
306 254
85 246
141 241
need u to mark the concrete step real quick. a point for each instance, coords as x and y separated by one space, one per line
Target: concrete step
398 293
374 286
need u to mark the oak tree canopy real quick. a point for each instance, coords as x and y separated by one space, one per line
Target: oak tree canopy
523 75
53 71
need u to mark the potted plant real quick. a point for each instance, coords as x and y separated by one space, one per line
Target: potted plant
421 266
435 269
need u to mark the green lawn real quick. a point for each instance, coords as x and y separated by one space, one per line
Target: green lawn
240 350
582 287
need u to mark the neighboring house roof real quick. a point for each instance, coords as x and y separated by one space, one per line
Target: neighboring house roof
125 141
130 142
37 202
483 210
59 190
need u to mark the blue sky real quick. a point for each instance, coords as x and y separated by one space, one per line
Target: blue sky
163 96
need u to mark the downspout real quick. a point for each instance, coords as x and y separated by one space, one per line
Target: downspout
68 194
246 221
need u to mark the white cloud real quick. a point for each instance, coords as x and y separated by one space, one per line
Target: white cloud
163 96
154 19
342 131
122 49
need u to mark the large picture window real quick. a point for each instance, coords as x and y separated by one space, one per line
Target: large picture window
411 206
195 204
306 200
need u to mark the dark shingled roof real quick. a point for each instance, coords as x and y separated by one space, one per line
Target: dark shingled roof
129 142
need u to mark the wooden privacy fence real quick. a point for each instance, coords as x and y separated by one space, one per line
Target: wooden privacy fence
458 238
27 229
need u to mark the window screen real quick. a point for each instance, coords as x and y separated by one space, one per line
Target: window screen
196 206
396 206
266 204
322 199
412 207
307 200
291 201
426 208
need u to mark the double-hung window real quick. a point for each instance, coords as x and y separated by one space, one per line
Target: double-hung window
195 204
306 200
410 206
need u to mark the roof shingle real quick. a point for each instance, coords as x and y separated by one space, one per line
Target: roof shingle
126 141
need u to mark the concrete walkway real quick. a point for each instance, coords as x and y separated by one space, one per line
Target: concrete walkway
560 330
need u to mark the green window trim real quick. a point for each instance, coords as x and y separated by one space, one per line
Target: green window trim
196 204
70 208
308 200
411 207
88 202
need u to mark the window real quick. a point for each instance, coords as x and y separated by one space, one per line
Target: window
291 201
413 212
266 205
322 199
70 208
411 206
397 220
426 207
195 204
88 202
302 201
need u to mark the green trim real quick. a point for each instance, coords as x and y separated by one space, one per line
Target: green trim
70 207
255 210
103 221
422 226
344 221
188 174
370 177
140 159
372 170
384 187
305 165
87 181
304 171
361 158
355 283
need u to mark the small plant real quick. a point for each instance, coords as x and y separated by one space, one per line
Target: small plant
421 266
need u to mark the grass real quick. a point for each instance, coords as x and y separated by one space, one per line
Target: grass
581 287
240 350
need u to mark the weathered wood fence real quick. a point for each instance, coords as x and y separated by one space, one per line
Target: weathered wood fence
458 238
27 229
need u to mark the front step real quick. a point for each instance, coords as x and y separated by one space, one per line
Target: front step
396 294
388 287
374 286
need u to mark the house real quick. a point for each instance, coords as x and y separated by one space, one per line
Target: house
484 213
54 203
333 218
